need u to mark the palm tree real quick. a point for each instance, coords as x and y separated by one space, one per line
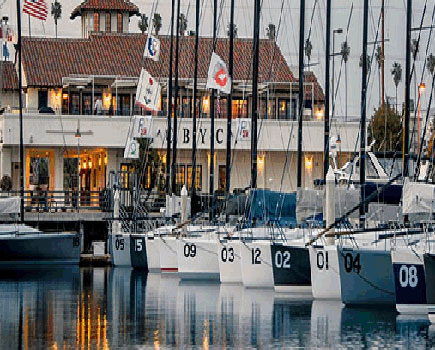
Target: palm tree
397 76
183 24
56 12
143 23
157 23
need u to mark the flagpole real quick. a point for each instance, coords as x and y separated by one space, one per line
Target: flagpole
30 28
20 100
212 112
175 134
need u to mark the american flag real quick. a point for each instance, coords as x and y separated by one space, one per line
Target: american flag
36 8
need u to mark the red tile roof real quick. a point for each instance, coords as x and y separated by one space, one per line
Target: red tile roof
309 77
10 78
105 5
46 61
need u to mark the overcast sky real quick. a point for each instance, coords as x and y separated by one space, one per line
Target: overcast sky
288 35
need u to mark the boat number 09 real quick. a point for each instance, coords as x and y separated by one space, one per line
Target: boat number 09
189 250
351 263
408 276
255 255
282 259
227 254
322 260
119 244
138 245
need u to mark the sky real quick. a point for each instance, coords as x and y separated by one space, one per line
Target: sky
285 15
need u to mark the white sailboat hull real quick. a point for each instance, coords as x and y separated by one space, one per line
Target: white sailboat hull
121 255
230 263
168 255
153 254
256 263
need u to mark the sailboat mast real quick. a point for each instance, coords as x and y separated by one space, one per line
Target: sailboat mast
362 161
195 98
20 102
407 89
327 80
169 132
212 112
301 89
383 53
254 136
175 135
230 101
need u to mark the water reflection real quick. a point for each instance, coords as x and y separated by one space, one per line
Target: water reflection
72 308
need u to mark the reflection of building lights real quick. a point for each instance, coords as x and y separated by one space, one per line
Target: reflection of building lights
107 97
105 159
65 96
99 160
260 162
90 164
206 104
84 165
309 163
320 113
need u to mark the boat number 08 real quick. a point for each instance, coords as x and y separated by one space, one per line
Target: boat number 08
119 244
227 254
282 259
255 254
189 250
351 263
408 276
322 260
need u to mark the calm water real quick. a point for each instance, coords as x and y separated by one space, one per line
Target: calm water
119 308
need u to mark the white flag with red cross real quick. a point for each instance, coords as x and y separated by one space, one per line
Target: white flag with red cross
218 76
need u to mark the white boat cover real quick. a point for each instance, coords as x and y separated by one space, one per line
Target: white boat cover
10 205
309 202
418 197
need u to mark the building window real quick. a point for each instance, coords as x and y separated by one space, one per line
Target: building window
65 103
221 108
271 105
40 172
108 22
186 107
240 108
120 26
96 22
42 99
75 104
284 109
198 177
180 176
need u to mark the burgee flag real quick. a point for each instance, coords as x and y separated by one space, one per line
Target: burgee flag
148 91
36 8
131 150
218 77
152 48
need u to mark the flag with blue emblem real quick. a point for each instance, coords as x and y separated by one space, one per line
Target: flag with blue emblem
152 48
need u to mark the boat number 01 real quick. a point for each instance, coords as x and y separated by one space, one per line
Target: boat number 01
255 254
189 250
138 245
408 276
119 244
322 260
282 259
351 263
227 254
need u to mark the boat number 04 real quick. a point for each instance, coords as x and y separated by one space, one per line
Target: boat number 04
408 276
255 255
119 244
189 250
227 254
352 263
282 259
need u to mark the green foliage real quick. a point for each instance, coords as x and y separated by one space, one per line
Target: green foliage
386 128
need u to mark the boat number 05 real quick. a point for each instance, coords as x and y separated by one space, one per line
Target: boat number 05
119 244
282 259
322 260
189 250
351 263
138 245
255 254
408 276
227 254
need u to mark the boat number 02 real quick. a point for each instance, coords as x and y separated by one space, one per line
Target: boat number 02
408 276
322 260
189 250
282 259
119 244
351 263
255 254
138 245
227 254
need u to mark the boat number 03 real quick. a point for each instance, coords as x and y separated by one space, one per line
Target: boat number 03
189 250
322 260
282 259
227 254
255 255
138 245
352 263
119 244
408 276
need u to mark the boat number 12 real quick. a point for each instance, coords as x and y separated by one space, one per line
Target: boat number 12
282 259
119 244
408 276
255 254
227 254
189 250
